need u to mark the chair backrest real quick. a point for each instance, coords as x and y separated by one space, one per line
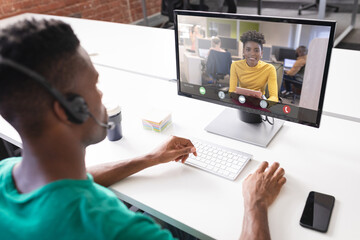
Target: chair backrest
168 6
279 77
218 63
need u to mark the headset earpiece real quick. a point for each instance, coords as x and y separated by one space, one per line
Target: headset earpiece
79 112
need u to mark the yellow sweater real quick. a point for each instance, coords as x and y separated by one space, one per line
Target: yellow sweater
255 78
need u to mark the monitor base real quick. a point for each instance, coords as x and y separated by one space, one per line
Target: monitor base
228 122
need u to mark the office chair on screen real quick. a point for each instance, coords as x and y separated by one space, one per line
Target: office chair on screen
217 67
295 84
316 5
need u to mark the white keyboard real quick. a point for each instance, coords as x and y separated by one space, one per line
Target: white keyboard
219 160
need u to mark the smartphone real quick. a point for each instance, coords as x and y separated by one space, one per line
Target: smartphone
317 211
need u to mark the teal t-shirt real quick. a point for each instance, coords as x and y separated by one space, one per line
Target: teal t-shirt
68 209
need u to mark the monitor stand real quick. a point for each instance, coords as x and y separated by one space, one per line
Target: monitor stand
230 124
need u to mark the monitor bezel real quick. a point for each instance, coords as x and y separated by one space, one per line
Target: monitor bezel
329 23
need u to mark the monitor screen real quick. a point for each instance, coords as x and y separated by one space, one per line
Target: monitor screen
266 53
230 45
311 40
275 51
203 46
289 63
286 53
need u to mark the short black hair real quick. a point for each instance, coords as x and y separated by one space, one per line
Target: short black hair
44 47
301 51
253 36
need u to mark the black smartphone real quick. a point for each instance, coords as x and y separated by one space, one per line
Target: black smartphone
317 211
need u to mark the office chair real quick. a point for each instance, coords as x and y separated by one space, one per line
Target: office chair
316 5
168 7
296 85
217 66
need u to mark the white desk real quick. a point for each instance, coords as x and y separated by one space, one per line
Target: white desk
143 50
324 160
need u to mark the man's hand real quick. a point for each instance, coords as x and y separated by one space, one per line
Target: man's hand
175 149
259 191
262 187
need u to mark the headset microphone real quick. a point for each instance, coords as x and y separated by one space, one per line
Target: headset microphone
109 125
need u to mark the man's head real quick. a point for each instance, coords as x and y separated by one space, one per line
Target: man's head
301 51
51 49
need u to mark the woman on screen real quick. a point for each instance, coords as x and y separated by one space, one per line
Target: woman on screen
251 72
195 33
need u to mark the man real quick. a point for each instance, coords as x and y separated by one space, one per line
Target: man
301 55
296 73
48 193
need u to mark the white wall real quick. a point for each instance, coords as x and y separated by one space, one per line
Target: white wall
277 34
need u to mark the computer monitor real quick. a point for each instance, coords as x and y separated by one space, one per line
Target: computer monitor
286 53
230 45
266 53
257 120
203 46
275 51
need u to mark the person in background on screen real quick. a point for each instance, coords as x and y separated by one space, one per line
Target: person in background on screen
195 33
218 62
48 193
296 72
251 72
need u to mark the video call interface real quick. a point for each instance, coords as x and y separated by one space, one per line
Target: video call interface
275 68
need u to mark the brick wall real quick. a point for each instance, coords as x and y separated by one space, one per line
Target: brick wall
122 11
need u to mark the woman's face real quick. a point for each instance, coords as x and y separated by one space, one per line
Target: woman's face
252 52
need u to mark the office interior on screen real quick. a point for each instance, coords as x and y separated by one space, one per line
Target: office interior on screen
196 42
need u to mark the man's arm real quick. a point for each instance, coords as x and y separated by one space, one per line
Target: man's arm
175 149
296 67
259 191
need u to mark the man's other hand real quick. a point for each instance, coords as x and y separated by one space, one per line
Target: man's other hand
261 188
174 149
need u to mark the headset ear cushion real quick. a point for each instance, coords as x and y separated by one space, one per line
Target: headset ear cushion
79 109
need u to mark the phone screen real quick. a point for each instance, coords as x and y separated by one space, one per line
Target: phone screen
317 211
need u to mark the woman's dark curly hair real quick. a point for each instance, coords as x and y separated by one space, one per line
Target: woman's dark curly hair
253 36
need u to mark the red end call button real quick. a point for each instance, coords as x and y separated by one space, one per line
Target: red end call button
286 109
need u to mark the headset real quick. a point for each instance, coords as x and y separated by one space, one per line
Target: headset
75 106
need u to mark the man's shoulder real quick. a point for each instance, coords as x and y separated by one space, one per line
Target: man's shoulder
10 161
301 60
7 164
